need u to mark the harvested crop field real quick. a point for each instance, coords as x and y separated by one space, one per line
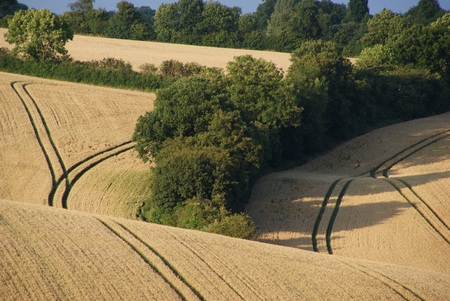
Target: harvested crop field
54 135
137 53
383 196
74 255
379 203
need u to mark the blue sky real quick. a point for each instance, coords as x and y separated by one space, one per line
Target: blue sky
248 6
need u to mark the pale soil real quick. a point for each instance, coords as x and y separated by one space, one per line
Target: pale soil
374 220
49 253
82 121
137 53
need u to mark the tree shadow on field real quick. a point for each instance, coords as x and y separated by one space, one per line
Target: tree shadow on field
289 216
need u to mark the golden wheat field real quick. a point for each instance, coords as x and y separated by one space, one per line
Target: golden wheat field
383 196
137 53
50 253
68 145
380 204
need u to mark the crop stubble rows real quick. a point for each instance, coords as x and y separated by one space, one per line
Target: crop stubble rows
75 132
417 202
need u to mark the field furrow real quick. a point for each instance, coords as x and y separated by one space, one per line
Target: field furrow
24 172
422 208
133 243
384 167
51 129
40 129
74 255
72 250
405 224
376 222
116 187
399 288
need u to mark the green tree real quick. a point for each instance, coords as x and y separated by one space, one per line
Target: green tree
425 12
263 13
424 46
9 7
383 26
39 34
257 89
190 14
80 13
183 109
266 101
324 84
219 25
167 23
279 28
127 23
357 10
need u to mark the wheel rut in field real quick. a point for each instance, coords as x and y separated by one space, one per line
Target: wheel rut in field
154 260
209 266
42 132
425 212
419 204
79 169
400 289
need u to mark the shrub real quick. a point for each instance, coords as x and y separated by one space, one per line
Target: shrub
234 225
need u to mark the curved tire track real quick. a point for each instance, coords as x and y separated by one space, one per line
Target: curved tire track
167 263
89 161
36 131
143 256
422 211
387 164
407 294
406 153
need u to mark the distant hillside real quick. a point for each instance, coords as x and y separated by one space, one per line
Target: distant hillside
85 48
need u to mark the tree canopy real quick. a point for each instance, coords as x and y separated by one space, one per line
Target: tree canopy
39 34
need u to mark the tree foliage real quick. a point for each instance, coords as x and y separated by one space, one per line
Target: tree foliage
357 10
210 135
425 12
39 34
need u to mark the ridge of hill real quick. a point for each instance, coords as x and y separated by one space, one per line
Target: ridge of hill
51 253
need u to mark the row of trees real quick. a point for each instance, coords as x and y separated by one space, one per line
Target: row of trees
281 25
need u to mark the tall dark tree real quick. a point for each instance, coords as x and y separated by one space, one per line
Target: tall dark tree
190 13
80 14
127 23
219 25
9 7
82 6
263 13
425 12
357 10
167 23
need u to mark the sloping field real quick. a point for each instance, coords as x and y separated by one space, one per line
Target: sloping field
55 134
85 48
49 253
384 196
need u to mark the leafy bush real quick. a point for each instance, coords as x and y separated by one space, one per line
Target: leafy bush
210 135
235 225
